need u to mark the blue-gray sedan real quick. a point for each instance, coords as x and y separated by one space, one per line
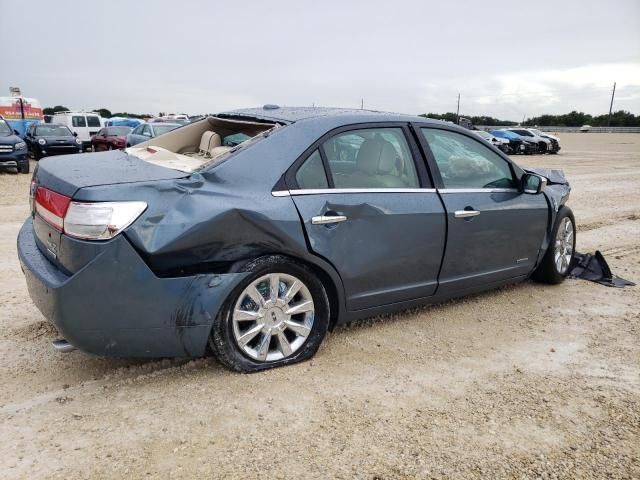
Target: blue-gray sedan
251 233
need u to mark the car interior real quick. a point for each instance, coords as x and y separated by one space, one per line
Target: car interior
198 144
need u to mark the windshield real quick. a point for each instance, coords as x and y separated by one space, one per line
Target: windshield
52 131
118 131
160 129
5 129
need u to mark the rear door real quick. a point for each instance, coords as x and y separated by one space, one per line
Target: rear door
494 230
369 209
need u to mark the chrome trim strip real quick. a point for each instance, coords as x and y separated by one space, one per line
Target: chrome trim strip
477 190
333 191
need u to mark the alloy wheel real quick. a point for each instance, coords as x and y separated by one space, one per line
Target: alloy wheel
563 250
273 317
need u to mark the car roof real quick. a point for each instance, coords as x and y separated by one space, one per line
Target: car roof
295 114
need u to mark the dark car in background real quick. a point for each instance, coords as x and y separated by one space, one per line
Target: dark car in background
47 139
319 218
110 138
147 131
13 149
517 144
555 141
543 143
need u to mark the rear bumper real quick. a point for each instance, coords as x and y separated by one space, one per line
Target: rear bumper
116 306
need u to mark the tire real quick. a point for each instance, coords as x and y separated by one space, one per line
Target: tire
270 321
548 270
24 168
542 148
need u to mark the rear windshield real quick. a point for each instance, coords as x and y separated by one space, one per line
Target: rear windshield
160 129
52 131
118 131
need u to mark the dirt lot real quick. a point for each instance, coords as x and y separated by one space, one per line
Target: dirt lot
529 381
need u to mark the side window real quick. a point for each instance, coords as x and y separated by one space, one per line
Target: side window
78 121
371 158
146 130
93 121
137 130
311 174
466 163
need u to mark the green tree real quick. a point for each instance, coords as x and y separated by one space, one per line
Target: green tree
103 112
52 110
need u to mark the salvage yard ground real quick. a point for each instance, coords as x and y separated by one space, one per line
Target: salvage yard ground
524 382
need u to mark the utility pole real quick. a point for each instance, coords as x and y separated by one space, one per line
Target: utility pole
613 93
458 111
362 103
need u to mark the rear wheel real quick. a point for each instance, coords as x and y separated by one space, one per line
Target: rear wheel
556 263
278 315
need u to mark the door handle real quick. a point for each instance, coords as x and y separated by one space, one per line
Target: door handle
326 219
466 213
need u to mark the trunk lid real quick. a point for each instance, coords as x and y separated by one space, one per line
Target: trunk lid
66 175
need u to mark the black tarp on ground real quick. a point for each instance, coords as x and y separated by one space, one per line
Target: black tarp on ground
594 267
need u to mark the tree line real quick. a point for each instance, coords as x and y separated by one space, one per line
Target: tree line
621 118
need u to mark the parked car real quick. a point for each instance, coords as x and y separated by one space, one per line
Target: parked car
13 149
501 143
46 139
144 132
257 251
544 144
555 141
84 124
110 138
517 144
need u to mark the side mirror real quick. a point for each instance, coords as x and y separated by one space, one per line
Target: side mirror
75 134
16 132
533 184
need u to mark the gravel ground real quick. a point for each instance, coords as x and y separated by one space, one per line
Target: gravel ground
529 381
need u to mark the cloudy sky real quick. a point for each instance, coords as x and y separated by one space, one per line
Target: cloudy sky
507 59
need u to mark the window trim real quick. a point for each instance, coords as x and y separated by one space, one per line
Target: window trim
516 171
424 180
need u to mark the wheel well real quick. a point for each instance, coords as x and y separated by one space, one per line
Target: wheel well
325 278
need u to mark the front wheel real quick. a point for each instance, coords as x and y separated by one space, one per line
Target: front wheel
278 315
556 263
24 168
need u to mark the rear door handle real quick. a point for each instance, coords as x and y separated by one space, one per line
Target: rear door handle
466 213
325 219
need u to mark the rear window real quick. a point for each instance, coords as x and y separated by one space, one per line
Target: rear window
78 121
93 121
118 131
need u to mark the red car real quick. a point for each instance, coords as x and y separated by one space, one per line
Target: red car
110 138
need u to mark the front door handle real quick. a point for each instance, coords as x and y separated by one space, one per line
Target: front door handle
466 213
326 219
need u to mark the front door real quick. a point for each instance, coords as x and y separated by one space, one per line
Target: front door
371 213
494 231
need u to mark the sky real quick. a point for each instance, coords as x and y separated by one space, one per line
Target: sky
507 59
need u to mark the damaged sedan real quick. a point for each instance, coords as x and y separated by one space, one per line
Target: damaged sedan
250 234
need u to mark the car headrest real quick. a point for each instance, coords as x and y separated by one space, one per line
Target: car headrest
377 156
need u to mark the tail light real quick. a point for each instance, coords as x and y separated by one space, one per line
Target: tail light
88 221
